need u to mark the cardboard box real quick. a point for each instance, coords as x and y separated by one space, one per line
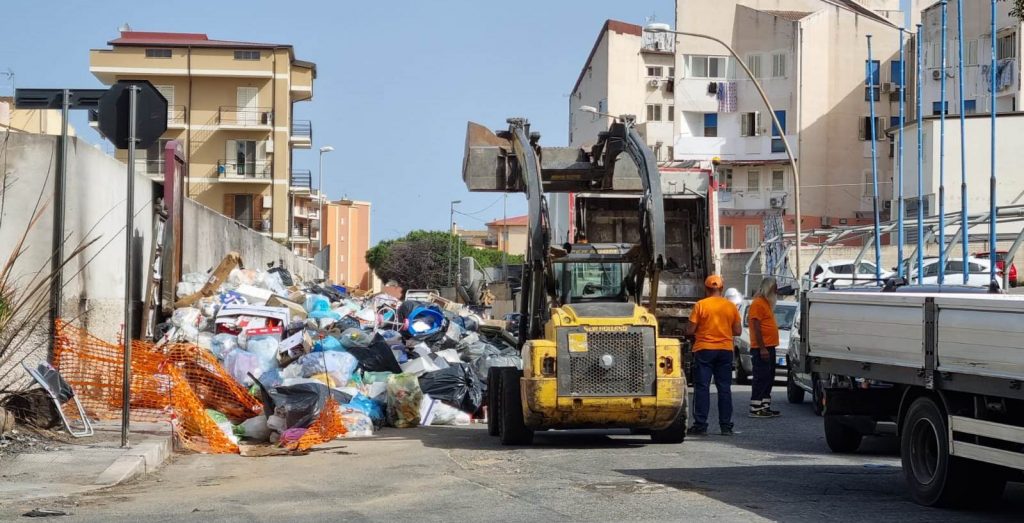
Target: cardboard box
297 311
229 263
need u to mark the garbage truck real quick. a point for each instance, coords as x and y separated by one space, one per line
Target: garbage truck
590 344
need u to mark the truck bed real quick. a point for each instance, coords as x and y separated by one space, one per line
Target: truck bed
970 343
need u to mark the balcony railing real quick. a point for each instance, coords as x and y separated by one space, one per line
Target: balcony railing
256 224
149 167
250 170
302 130
301 179
176 115
257 117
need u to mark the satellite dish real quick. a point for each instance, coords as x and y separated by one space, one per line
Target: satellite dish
124 28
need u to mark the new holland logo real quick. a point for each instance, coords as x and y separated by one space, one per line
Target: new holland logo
606 328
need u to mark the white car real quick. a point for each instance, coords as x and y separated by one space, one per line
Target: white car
978 272
847 272
786 313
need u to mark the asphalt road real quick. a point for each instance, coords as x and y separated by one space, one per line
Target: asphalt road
777 469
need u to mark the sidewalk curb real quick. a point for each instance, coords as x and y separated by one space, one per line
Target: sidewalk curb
144 459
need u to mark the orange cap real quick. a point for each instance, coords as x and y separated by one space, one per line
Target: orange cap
714 282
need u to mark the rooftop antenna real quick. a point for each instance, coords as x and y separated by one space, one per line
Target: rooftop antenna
124 28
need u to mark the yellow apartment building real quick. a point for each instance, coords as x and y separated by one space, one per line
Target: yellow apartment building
347 234
230 105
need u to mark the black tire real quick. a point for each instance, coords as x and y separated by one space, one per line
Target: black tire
841 438
674 433
934 477
493 397
818 394
742 377
513 428
794 394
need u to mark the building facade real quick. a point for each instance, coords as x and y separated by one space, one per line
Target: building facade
230 104
35 121
811 58
509 234
347 235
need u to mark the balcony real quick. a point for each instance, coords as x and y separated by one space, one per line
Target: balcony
301 136
754 200
734 148
301 181
246 171
176 117
245 118
305 213
151 168
260 225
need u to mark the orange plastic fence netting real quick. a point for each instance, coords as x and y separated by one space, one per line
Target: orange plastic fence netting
174 382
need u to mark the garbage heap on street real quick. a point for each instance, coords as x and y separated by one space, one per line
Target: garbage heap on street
257 358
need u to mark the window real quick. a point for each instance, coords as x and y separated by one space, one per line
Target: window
671 113
653 112
710 124
846 268
867 268
725 179
777 145
871 80
754 64
864 128
750 124
971 52
778 65
671 153
1006 46
896 73
753 236
725 232
158 53
970 106
707 66
778 180
654 70
869 185
247 55
753 181
936 108
671 72
931 269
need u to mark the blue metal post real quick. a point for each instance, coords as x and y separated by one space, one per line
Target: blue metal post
942 151
963 138
900 236
992 159
920 161
872 89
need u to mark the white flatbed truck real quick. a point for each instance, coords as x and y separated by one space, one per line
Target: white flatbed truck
944 370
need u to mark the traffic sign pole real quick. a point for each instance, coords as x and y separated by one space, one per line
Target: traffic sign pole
129 234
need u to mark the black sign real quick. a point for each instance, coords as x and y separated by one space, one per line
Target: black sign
150 110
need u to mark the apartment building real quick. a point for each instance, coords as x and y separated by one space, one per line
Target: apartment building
230 105
347 235
632 72
811 58
36 121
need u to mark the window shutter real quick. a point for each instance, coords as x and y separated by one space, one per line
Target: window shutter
257 211
757 123
230 157
262 169
862 132
745 125
229 205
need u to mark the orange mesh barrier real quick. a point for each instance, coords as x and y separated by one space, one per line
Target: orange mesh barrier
327 427
175 382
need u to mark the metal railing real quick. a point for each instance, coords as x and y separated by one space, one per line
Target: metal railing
301 178
150 167
256 224
252 170
245 116
176 115
302 129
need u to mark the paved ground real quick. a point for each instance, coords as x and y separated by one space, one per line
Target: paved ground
776 469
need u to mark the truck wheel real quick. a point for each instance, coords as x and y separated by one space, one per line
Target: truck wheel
842 439
493 397
794 393
513 428
742 377
674 433
934 476
818 394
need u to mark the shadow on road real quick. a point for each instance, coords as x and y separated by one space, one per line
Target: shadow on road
476 438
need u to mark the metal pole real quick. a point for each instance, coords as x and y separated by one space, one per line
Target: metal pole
504 240
900 234
942 151
963 143
782 135
57 277
920 163
320 207
129 233
874 88
992 166
451 238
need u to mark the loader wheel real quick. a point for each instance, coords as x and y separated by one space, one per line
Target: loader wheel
674 433
493 397
510 409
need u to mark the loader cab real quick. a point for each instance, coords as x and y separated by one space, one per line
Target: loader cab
590 282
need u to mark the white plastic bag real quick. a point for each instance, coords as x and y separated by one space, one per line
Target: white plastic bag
239 363
255 428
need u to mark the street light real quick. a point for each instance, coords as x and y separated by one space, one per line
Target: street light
320 198
451 232
664 28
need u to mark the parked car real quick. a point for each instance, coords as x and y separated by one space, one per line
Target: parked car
847 272
786 313
799 383
1001 265
978 272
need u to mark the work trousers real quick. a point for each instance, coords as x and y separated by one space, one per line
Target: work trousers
763 378
708 364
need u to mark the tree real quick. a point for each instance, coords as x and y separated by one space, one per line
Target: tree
1017 10
420 259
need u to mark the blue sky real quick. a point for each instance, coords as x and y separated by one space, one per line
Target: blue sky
397 81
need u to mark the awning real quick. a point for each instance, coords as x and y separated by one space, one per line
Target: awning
755 162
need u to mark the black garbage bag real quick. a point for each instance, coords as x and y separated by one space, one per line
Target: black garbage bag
300 404
377 357
286 277
457 385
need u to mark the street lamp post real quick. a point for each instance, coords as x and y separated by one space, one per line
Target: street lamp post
664 28
320 199
451 239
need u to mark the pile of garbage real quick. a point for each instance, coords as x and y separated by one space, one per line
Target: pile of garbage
304 347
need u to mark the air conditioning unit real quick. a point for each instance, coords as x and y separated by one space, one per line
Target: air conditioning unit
826 221
937 74
887 87
267 118
777 202
887 205
654 82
